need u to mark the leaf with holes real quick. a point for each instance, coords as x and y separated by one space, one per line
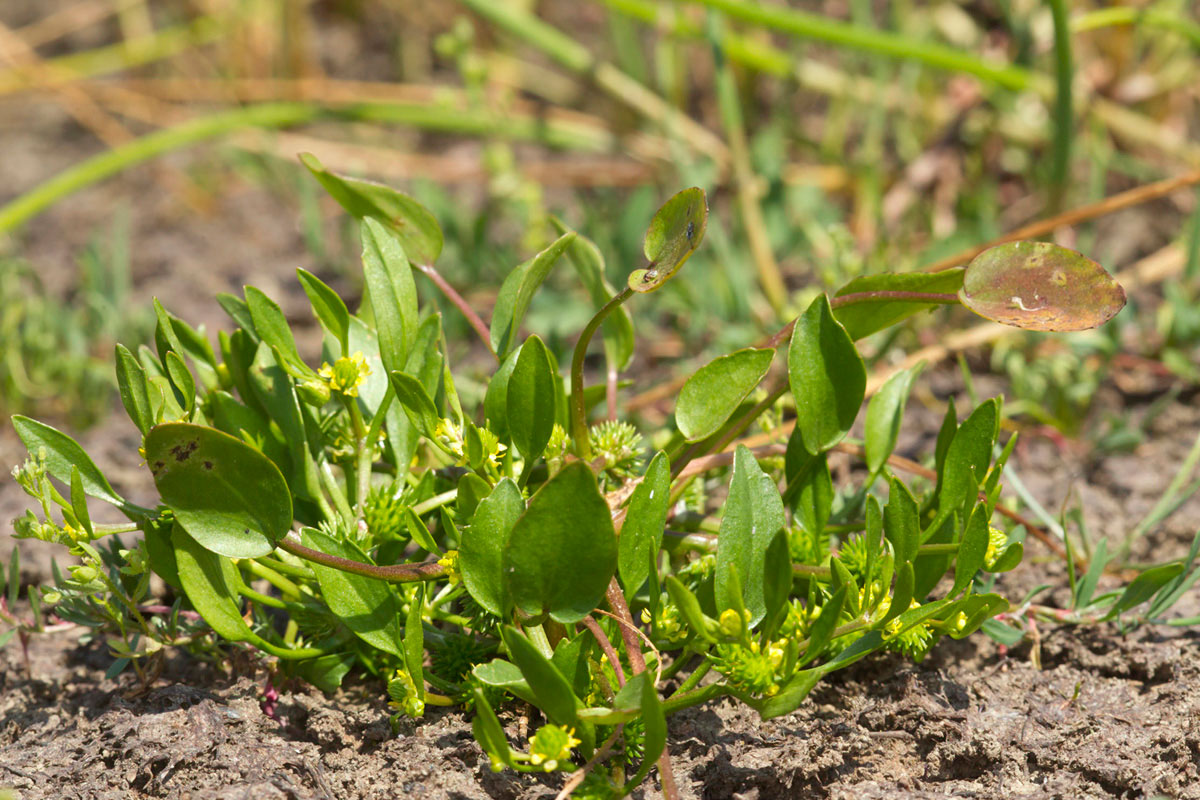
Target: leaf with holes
674 234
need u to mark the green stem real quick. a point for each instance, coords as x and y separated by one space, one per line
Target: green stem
1134 15
1064 113
821 573
259 570
579 428
804 25
437 501
730 109
694 679
696 698
284 568
937 549
394 573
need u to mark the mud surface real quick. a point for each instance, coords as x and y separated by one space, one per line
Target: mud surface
1108 715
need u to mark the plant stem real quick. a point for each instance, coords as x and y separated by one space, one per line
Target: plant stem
260 570
437 501
1064 113
394 573
696 698
579 427
610 652
694 679
884 296
801 24
459 302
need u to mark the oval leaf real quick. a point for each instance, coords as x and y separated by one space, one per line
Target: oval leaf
645 520
674 234
481 551
885 411
562 552
1040 286
530 401
827 377
211 583
753 514
228 496
714 392
863 319
392 292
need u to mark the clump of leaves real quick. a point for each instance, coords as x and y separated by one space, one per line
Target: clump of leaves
354 515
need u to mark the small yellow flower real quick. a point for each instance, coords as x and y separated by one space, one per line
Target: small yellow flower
346 374
450 562
550 745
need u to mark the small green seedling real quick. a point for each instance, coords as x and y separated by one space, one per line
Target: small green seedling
356 514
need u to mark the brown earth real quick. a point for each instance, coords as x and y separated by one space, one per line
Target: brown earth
1109 715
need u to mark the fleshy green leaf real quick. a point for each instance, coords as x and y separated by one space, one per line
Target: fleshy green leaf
674 234
495 402
62 453
416 228
809 485
971 550
1040 286
490 733
827 377
273 327
367 606
531 396
753 513
481 552
392 292
211 583
654 726
517 292
328 307
716 390
228 496
552 690
901 525
863 319
414 641
885 411
416 402
134 388
645 521
562 552
968 456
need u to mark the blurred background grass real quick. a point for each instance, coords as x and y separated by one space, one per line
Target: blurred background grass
148 147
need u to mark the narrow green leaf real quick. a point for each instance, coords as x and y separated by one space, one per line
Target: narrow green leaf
62 452
328 307
392 292
416 402
415 227
645 520
822 629
674 234
134 389
809 486
827 377
229 496
753 513
507 676
495 401
885 411
79 502
181 379
562 552
553 692
972 549
490 733
481 552
902 597
1087 586
968 457
654 729
211 583
517 292
777 580
689 606
863 319
239 312
530 403
714 392
414 641
272 326
1143 587
419 533
367 606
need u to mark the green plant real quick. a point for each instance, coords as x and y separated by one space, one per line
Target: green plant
357 516
53 348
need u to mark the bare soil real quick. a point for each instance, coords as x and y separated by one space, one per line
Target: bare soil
1108 715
